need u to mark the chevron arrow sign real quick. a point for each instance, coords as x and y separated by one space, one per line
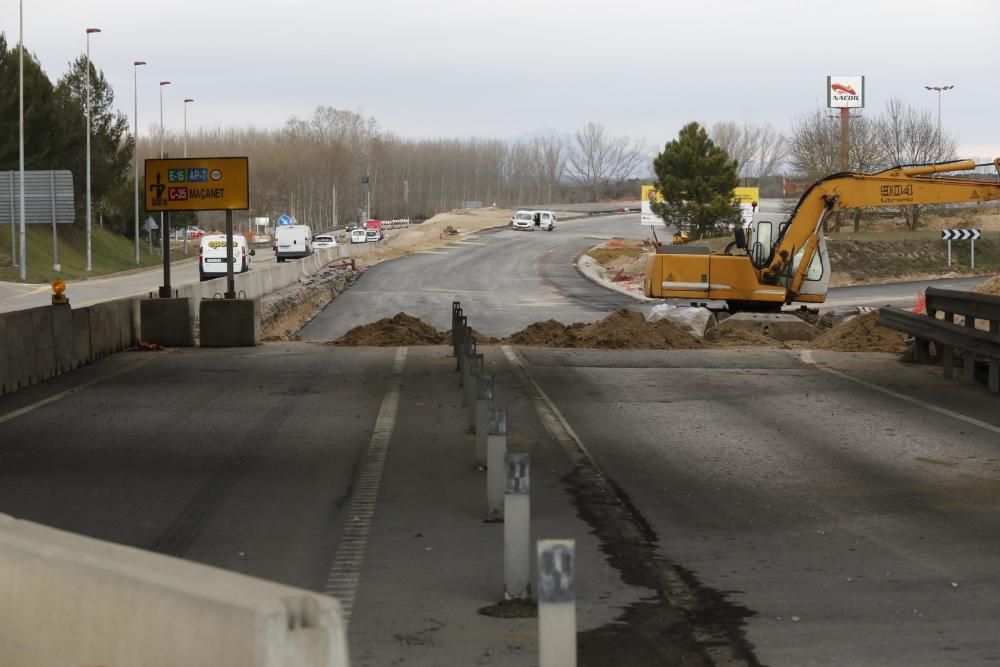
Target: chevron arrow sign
960 234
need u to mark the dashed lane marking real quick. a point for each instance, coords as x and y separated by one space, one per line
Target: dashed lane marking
345 573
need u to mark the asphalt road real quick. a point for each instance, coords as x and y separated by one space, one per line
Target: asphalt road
507 279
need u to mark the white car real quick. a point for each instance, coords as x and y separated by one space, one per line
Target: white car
324 241
523 220
292 241
373 235
358 235
212 255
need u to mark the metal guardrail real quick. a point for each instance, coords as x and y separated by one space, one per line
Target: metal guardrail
947 336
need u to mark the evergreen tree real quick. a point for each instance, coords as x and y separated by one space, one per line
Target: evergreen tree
110 142
695 178
43 127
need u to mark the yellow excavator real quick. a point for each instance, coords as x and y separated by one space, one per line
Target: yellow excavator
790 263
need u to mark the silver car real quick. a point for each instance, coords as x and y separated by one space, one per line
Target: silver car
523 220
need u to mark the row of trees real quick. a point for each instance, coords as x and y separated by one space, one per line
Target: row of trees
324 168
55 128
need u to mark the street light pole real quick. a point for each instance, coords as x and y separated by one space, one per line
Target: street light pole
187 100
135 156
939 90
90 31
163 232
23 243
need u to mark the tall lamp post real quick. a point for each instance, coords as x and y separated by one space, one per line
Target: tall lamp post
163 232
135 157
187 100
90 31
939 90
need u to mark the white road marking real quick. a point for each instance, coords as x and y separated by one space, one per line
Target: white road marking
431 252
69 392
345 573
808 358
471 243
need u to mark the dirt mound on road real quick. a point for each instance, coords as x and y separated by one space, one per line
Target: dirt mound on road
991 286
723 336
860 334
402 329
622 330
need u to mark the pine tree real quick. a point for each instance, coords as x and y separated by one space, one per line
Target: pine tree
43 127
695 178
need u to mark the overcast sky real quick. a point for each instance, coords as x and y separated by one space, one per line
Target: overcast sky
503 68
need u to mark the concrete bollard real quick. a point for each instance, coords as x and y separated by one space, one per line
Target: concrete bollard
484 402
460 347
476 366
556 603
456 312
517 527
496 450
467 377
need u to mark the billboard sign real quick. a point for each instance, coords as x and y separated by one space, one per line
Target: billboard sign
647 217
845 92
198 184
48 197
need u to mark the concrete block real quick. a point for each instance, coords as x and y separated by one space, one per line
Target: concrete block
62 337
103 330
73 600
779 326
123 309
229 322
167 322
81 337
20 350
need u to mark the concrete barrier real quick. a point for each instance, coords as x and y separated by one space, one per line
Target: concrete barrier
45 349
62 338
72 600
229 322
81 337
20 352
167 321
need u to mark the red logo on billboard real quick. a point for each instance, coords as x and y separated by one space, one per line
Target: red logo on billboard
177 194
843 89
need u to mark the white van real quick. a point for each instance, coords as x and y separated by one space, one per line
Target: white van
212 255
359 235
291 241
545 220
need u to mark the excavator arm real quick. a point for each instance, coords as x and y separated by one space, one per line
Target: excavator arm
898 186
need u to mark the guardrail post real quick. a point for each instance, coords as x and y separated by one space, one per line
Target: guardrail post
517 527
484 402
921 350
948 361
496 450
460 338
556 603
471 390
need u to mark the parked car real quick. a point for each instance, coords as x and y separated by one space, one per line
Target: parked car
523 220
358 235
373 235
324 241
212 255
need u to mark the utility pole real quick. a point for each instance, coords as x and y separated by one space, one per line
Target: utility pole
135 153
939 90
24 243
90 31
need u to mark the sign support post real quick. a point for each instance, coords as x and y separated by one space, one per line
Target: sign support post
230 280
165 243
949 253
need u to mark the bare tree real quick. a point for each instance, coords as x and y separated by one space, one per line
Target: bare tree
757 148
597 159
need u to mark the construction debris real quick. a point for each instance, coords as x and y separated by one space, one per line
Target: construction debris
401 329
991 286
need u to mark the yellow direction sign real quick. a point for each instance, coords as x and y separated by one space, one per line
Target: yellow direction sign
198 184
746 195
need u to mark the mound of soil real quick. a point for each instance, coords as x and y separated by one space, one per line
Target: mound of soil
617 255
622 330
402 329
860 334
991 286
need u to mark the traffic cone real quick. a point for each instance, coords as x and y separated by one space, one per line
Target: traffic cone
921 303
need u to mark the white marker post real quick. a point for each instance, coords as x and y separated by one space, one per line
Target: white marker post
517 527
496 450
484 403
468 380
556 603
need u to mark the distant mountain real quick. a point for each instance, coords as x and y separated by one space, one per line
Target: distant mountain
526 137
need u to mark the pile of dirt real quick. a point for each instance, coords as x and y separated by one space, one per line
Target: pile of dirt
402 329
991 286
622 330
618 255
860 334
